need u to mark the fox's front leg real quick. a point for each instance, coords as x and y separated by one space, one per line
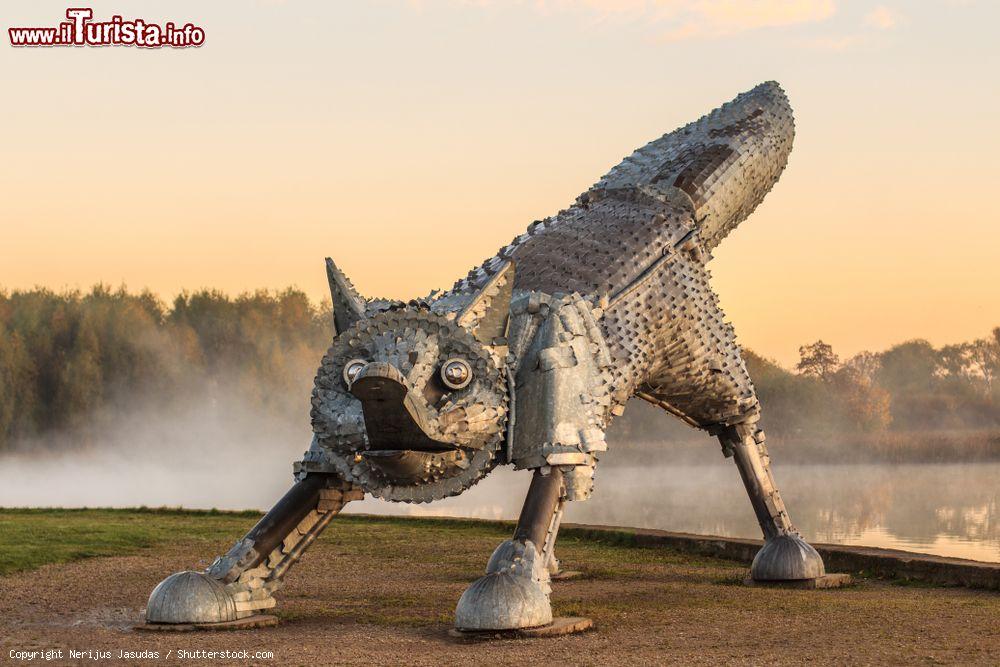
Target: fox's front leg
242 582
562 403
514 593
785 556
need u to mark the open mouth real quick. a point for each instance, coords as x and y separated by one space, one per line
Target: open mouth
395 422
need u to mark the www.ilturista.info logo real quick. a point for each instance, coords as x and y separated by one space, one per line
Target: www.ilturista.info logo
80 30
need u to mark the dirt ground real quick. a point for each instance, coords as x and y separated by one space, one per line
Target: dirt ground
383 592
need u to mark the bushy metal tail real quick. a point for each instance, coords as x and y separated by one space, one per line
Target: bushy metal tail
726 161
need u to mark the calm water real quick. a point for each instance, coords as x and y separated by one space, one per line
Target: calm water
949 510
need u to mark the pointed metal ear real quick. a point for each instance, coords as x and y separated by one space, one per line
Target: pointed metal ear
348 305
487 314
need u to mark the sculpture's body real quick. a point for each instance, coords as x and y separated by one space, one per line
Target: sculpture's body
526 361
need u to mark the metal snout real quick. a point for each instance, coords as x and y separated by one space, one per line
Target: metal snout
394 419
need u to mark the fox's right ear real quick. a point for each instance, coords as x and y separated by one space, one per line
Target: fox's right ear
348 305
487 314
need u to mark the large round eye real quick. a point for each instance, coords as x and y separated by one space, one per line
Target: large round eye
352 368
456 373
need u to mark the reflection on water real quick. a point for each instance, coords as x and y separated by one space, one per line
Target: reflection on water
944 509
949 510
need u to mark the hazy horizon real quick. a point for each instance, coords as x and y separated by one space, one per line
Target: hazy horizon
787 360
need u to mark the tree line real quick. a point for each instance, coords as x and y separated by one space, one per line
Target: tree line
911 402
65 357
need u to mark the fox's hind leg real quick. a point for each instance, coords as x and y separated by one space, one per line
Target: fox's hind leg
785 556
242 582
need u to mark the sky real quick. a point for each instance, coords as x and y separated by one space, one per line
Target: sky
409 140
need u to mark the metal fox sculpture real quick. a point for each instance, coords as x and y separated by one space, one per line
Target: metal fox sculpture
526 361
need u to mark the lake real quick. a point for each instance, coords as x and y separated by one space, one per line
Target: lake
950 510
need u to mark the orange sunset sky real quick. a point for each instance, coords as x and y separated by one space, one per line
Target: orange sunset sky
409 140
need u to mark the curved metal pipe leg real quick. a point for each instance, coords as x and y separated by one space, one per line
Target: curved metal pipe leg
785 556
241 583
544 497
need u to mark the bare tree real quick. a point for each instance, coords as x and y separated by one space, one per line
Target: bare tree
984 360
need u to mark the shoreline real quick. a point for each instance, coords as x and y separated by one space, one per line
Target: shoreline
866 561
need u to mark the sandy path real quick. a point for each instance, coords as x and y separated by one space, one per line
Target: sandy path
347 605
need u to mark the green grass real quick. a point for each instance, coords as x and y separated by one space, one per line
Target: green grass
31 538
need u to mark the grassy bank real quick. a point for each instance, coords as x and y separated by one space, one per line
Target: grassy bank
36 537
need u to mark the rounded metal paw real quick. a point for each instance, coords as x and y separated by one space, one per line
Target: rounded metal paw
786 558
514 593
503 601
190 597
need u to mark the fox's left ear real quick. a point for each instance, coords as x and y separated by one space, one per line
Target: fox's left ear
348 305
487 314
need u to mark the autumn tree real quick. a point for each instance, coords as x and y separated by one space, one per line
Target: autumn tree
818 360
909 367
866 405
866 365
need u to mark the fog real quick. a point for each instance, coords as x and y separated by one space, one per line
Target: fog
199 453
206 453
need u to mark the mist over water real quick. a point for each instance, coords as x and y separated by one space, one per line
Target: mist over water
204 453
944 509
200 454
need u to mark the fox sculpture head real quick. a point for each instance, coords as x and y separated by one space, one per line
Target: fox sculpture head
415 393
